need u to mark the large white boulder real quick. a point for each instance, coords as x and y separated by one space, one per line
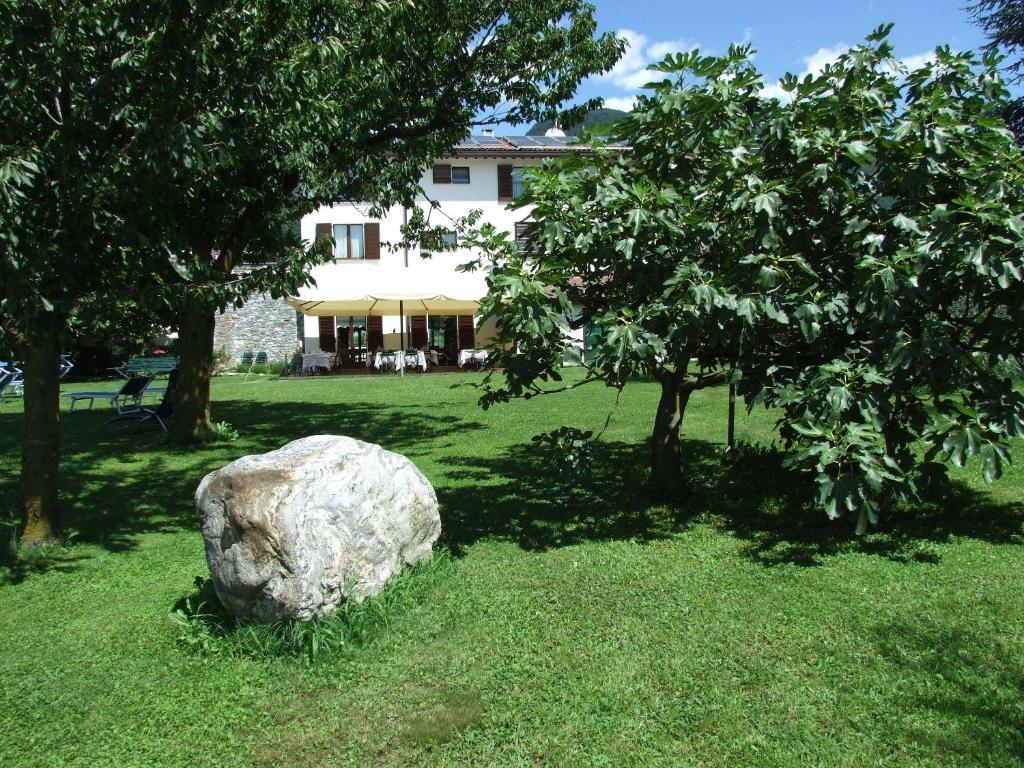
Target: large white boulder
294 532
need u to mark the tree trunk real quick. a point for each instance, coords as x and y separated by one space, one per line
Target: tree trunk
666 454
40 461
191 422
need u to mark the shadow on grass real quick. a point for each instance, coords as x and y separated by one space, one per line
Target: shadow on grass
121 480
772 509
962 689
520 497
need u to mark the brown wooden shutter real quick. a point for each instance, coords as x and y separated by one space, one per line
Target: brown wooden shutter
327 338
324 231
527 235
467 337
375 332
419 330
371 240
505 183
442 174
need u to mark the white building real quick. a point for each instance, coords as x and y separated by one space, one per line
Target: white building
375 294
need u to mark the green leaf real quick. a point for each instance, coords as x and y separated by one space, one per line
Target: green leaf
859 152
907 224
767 202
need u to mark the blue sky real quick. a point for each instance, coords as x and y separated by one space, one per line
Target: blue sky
789 35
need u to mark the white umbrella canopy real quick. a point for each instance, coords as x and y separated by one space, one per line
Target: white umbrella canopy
369 289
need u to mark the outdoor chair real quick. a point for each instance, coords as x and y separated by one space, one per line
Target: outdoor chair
248 359
66 364
162 413
16 382
6 377
131 392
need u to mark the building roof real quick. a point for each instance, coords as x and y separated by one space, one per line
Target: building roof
518 146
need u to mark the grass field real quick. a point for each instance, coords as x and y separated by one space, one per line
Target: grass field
567 624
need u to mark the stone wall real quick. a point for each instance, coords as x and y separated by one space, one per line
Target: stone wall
262 324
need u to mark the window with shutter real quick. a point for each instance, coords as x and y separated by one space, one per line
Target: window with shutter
443 174
460 174
505 183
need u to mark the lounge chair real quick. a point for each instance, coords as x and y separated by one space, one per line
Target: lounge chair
260 359
6 377
16 382
131 392
162 413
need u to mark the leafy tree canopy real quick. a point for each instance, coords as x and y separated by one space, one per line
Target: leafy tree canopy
1002 21
853 256
154 148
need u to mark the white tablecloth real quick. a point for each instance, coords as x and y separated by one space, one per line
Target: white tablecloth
396 361
314 360
467 356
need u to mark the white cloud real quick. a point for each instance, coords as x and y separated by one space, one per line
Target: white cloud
918 60
631 71
774 91
625 103
817 61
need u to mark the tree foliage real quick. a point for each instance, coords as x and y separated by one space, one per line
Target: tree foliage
1002 21
168 148
854 253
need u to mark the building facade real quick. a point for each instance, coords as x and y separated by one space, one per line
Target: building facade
483 173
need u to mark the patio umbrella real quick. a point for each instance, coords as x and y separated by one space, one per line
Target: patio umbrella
365 288
369 289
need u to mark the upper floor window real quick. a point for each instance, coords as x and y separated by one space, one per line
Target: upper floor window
517 182
510 182
352 241
348 241
451 174
450 238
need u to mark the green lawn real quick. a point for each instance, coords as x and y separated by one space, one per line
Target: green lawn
576 625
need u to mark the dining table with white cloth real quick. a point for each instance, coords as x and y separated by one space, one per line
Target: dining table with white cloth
311 361
397 361
467 356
